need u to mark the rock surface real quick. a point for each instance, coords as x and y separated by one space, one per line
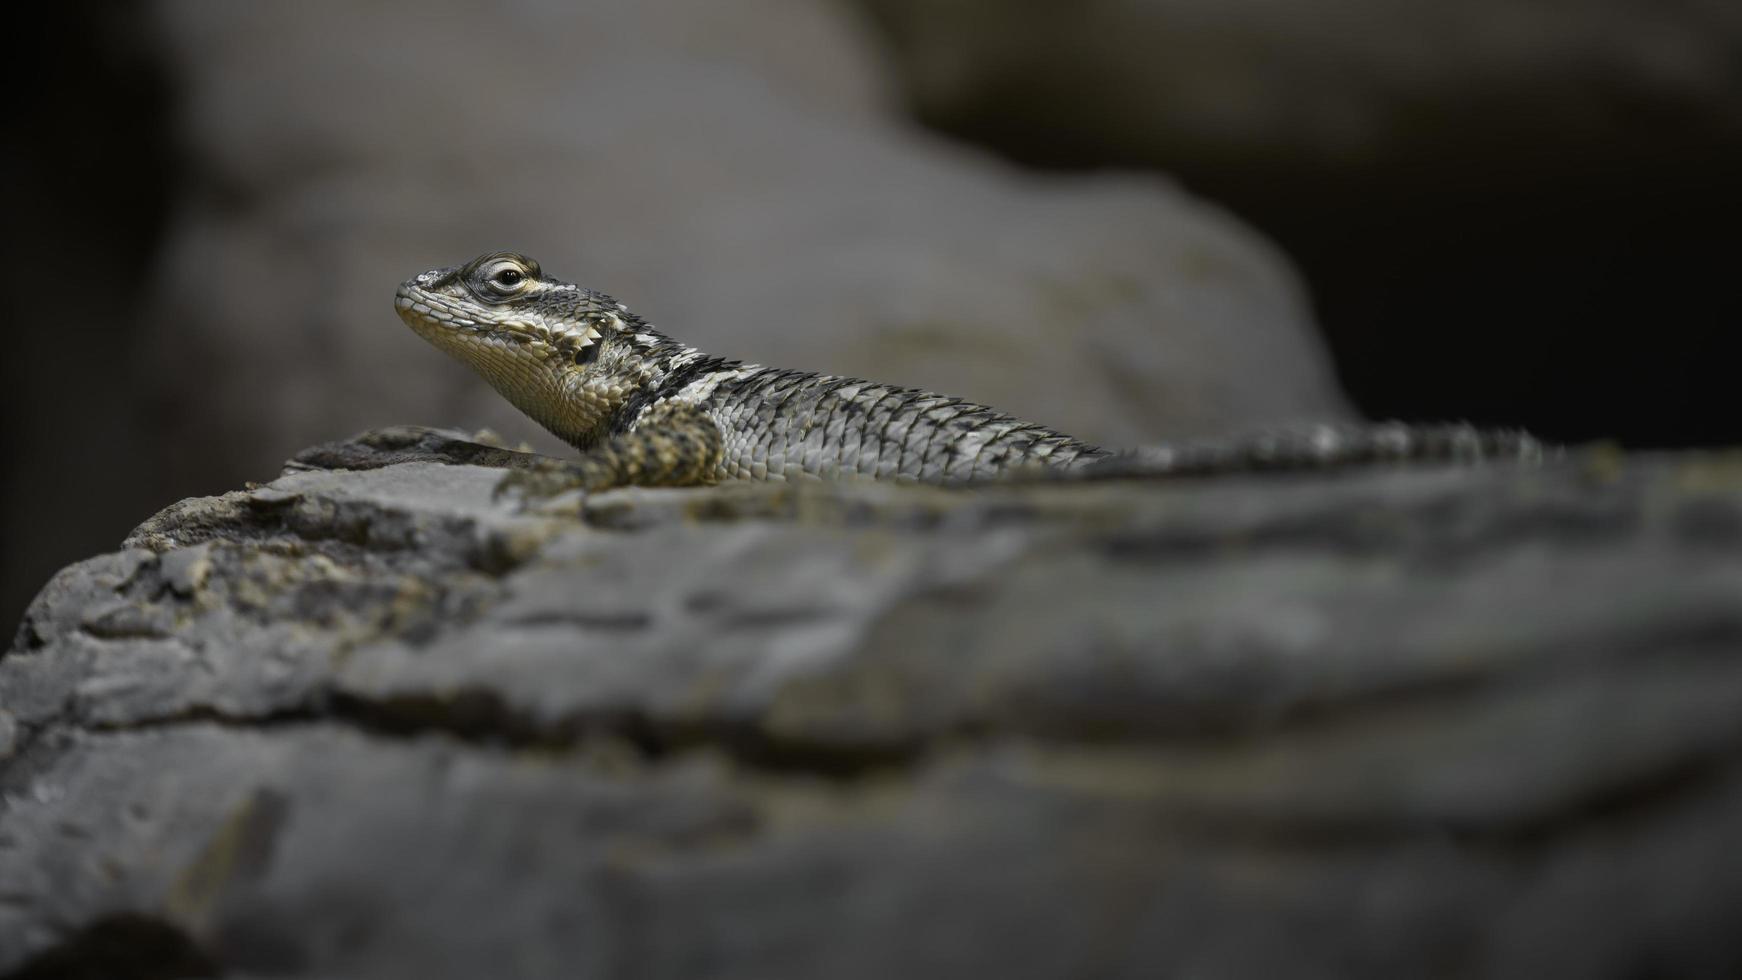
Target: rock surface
380 723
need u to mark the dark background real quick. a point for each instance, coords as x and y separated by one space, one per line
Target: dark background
1542 237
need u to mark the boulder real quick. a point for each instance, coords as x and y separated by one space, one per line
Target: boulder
736 173
375 719
260 178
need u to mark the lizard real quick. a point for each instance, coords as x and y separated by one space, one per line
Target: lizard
645 409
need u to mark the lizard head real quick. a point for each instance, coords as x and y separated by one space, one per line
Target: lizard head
535 339
502 302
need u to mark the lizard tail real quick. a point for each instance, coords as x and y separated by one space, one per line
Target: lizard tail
1320 447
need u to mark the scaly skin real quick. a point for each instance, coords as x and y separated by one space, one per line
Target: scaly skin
647 410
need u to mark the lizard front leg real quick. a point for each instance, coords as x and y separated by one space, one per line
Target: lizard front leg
671 446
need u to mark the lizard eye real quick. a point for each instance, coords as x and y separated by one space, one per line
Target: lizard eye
506 281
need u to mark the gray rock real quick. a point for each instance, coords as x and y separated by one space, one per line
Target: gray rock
378 722
734 172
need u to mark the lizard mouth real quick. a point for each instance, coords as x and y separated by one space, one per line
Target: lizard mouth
442 321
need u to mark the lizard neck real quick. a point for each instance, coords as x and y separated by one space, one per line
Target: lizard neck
636 369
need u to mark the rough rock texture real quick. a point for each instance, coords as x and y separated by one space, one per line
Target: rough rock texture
380 723
734 172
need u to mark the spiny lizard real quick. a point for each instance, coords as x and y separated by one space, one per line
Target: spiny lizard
645 409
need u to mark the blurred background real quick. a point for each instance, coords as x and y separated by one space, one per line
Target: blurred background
1130 219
